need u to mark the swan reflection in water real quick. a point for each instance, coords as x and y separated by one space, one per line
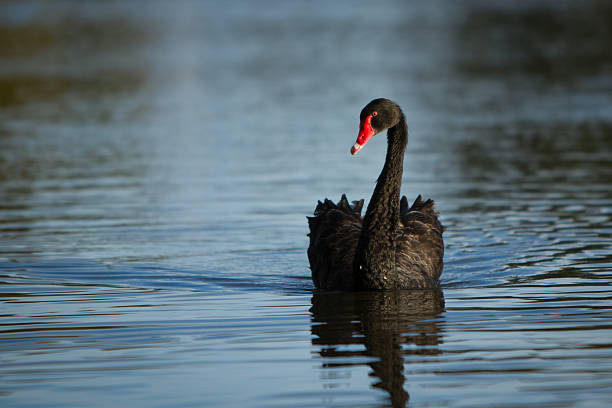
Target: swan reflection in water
386 323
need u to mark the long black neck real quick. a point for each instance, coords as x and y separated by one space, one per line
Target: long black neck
374 265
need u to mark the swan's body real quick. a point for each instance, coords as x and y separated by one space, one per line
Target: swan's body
393 246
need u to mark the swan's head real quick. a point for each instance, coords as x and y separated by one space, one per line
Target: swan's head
378 115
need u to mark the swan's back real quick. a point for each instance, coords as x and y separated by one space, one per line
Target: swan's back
334 234
419 249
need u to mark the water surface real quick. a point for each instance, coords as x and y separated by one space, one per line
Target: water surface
157 164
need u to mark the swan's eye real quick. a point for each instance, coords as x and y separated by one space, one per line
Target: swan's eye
374 113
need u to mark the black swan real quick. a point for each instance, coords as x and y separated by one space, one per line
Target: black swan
393 246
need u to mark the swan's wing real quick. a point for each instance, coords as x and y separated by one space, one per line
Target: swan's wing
419 249
334 232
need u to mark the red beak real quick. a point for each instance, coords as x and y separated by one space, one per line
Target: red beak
365 134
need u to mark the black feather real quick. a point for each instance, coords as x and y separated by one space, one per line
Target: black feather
393 245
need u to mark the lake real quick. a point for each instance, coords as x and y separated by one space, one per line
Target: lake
158 161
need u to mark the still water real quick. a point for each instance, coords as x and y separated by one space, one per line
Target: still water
158 159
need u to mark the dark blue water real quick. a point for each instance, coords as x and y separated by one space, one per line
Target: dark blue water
157 162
